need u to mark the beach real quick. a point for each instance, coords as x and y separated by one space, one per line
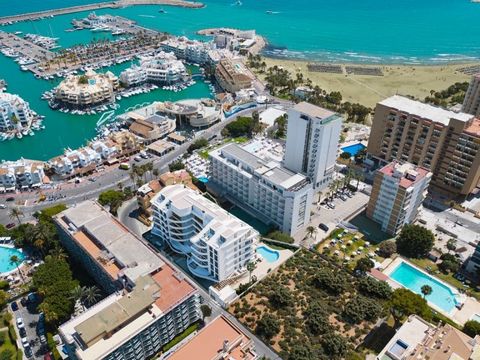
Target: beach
415 80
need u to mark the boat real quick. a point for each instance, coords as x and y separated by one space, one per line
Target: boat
162 11
19 135
31 133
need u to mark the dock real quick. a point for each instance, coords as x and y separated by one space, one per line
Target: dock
25 47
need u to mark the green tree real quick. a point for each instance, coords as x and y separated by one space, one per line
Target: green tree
334 283
4 296
364 265
472 328
361 308
250 267
346 155
334 346
310 231
112 198
426 290
407 303
177 165
374 288
387 248
451 245
280 297
15 214
415 241
450 263
206 311
92 295
267 327
15 260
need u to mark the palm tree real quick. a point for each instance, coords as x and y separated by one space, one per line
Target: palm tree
15 260
250 267
78 293
92 294
42 236
426 290
15 213
58 253
310 231
155 172
451 245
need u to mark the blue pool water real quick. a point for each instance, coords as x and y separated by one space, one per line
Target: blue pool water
353 149
413 279
203 179
269 255
5 255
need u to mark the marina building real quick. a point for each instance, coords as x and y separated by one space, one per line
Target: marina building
88 90
76 162
471 103
418 339
196 52
217 244
444 142
261 186
232 75
219 339
197 113
150 302
162 68
313 135
397 193
152 128
21 174
15 112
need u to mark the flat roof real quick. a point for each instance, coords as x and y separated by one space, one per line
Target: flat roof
243 155
408 174
423 110
174 287
211 341
110 237
270 115
313 110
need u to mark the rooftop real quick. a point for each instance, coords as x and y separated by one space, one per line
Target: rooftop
409 174
107 240
219 339
423 110
173 288
474 128
313 110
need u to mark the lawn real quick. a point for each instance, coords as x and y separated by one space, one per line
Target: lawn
306 305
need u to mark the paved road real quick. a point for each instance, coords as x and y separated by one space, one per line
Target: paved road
105 180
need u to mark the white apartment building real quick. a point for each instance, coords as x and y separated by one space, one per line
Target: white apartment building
398 191
263 187
14 112
217 244
21 174
471 103
105 148
161 68
150 302
74 160
193 51
313 134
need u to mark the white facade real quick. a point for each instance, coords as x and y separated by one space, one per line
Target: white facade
14 112
163 68
21 174
196 52
273 193
313 135
218 245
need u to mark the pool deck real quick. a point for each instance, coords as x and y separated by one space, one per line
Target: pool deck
470 305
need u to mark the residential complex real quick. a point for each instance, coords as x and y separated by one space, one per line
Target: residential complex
14 112
150 302
218 245
418 339
471 104
262 186
397 193
219 339
162 68
90 89
197 52
21 174
445 142
232 76
313 134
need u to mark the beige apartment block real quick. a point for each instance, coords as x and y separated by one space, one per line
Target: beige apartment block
471 104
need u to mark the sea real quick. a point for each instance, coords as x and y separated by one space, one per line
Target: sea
369 31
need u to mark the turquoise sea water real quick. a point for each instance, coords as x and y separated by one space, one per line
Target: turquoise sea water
400 31
413 279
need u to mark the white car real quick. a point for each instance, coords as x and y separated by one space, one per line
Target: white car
20 322
3 206
25 342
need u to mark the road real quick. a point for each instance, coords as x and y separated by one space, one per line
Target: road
104 180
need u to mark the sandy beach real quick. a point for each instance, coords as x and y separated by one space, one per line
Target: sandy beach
368 90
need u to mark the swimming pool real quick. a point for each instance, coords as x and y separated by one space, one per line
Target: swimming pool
270 255
413 279
203 179
353 149
6 254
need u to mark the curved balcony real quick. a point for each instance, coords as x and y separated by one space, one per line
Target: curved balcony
199 271
180 247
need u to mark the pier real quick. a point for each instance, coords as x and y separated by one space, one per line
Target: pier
91 7
24 47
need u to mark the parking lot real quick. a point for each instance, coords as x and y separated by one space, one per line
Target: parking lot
28 328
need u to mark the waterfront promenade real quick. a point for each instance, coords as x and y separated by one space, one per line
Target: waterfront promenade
25 47
91 7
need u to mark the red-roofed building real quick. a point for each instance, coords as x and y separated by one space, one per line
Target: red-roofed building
397 193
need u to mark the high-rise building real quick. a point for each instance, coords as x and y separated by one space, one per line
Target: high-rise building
150 301
313 134
444 142
263 187
471 104
218 244
398 191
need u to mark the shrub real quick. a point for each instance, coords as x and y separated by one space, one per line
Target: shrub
4 284
361 308
472 328
334 345
7 354
334 283
280 297
387 248
280 236
3 337
268 326
371 287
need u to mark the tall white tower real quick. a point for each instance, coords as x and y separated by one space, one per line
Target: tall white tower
313 134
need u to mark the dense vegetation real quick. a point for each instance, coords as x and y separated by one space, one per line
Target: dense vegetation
243 126
415 241
453 95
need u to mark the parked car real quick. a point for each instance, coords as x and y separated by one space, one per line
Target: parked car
323 227
14 306
11 225
343 197
47 356
25 342
331 205
3 206
23 301
10 198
